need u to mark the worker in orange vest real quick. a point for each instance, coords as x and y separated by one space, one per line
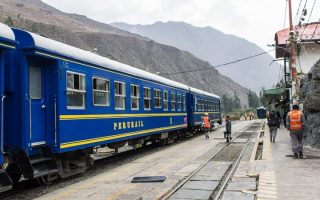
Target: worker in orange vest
295 124
206 125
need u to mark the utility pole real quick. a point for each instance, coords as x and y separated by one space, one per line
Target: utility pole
293 55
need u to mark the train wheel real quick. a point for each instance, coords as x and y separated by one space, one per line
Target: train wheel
46 180
14 172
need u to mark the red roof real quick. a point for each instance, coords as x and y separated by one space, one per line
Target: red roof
306 32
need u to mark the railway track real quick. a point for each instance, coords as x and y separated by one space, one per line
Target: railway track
104 161
217 193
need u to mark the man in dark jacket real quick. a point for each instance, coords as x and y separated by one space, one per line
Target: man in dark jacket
273 123
228 129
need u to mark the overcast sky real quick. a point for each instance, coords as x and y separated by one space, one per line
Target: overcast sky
254 20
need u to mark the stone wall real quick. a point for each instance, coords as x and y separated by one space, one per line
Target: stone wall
311 93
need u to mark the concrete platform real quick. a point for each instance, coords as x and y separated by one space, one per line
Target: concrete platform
278 175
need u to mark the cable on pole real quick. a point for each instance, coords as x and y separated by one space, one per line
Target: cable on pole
216 66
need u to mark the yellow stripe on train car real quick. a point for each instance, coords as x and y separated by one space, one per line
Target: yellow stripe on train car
111 137
107 116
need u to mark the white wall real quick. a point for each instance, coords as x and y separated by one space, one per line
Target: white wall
308 56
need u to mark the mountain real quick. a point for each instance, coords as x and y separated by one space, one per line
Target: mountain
116 44
216 47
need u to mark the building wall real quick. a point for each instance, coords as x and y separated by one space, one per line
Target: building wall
309 54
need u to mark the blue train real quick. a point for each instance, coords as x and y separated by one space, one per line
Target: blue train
261 112
60 102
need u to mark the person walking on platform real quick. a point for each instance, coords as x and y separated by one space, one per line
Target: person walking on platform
273 123
295 124
228 129
206 125
279 118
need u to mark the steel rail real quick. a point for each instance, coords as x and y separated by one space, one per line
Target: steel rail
200 167
233 169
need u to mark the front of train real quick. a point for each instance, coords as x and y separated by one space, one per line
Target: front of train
7 45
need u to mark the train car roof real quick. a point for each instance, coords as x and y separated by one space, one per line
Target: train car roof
6 32
197 91
58 48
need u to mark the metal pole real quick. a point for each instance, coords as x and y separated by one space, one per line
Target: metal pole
293 53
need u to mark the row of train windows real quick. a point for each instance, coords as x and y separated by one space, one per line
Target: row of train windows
206 105
76 94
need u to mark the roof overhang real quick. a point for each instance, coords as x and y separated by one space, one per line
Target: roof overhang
305 33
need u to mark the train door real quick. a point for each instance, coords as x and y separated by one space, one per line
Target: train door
37 105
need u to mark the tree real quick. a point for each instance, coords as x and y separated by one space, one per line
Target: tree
236 101
227 103
253 99
9 21
262 98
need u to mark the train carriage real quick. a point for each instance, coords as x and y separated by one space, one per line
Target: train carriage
203 102
7 44
63 102
72 100
261 112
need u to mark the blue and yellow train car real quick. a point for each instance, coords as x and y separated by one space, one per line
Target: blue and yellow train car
261 112
64 102
7 45
70 100
202 102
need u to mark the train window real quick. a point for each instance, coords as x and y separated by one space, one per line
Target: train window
195 104
147 98
173 101
165 100
120 95
157 98
76 90
35 83
179 102
184 102
101 92
198 104
135 96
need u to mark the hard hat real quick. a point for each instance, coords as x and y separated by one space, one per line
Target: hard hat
205 113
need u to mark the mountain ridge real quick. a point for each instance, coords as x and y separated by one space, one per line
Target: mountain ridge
213 46
119 45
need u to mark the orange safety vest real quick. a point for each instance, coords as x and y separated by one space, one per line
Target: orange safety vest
206 122
295 120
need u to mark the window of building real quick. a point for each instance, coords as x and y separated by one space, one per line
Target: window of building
184 102
135 96
101 92
76 90
120 95
147 98
179 102
173 101
157 98
165 100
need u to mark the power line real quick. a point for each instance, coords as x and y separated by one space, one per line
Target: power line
216 66
314 2
296 17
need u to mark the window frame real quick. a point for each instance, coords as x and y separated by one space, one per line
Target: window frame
84 91
179 102
165 100
105 91
135 97
184 102
173 93
149 98
117 95
154 98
